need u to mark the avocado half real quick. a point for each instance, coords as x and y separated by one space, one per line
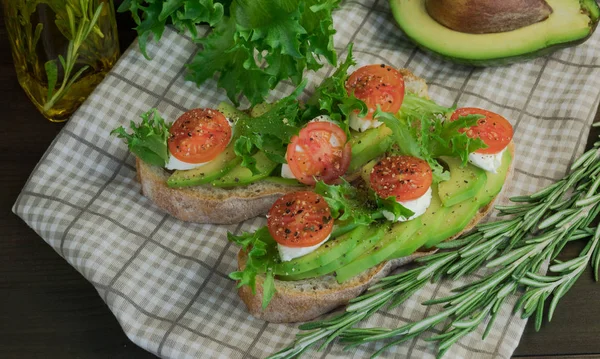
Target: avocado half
571 23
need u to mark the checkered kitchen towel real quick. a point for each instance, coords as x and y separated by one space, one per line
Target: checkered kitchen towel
166 280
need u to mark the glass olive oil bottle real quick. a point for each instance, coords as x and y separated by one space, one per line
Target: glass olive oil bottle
61 49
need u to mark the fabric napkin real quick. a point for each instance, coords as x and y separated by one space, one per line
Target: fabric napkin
166 280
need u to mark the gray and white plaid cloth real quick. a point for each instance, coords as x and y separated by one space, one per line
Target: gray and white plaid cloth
166 280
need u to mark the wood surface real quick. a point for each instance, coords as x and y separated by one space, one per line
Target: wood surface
47 309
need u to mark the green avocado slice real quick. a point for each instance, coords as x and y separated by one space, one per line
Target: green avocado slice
398 237
464 182
495 181
454 219
241 176
571 22
323 255
211 171
429 225
364 243
369 145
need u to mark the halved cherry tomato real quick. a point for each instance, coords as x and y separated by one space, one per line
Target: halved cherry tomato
300 219
319 152
404 177
377 85
199 135
493 129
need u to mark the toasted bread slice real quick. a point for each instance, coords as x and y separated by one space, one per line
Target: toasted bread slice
303 300
208 204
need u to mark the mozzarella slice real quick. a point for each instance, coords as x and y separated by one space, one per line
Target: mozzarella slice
286 172
361 124
288 253
490 163
418 206
175 164
322 118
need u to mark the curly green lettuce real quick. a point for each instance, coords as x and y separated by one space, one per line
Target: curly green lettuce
421 128
148 141
262 255
254 44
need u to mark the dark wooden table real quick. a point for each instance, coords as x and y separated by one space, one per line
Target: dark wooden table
47 309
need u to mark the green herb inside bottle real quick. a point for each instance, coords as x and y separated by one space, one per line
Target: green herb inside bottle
61 49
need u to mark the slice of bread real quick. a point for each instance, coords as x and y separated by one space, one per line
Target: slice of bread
303 300
208 204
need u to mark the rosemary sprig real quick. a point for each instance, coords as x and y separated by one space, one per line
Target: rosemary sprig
518 247
79 32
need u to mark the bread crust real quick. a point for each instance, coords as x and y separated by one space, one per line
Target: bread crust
307 299
208 204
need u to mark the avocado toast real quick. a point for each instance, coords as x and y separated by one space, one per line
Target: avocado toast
225 191
312 285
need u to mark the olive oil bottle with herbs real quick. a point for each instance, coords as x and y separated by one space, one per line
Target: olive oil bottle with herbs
61 49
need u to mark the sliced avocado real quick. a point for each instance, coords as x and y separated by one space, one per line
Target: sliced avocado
364 243
571 22
369 145
326 253
429 223
454 219
365 171
230 111
495 181
211 171
283 181
398 237
464 183
260 109
240 176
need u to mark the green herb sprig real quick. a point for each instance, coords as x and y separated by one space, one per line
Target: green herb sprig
518 247
78 32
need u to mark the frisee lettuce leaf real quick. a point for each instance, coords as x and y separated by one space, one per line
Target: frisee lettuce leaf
148 141
151 16
270 132
330 97
350 204
261 251
254 44
422 129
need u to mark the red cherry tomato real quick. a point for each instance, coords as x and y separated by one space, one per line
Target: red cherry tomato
319 152
300 219
199 135
493 129
404 177
377 85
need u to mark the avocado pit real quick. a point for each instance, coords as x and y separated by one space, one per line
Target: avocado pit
487 16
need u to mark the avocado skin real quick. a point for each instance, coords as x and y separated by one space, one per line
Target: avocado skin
506 60
590 7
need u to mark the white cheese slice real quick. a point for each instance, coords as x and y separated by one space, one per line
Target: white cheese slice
288 253
417 205
286 172
490 163
175 164
361 124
